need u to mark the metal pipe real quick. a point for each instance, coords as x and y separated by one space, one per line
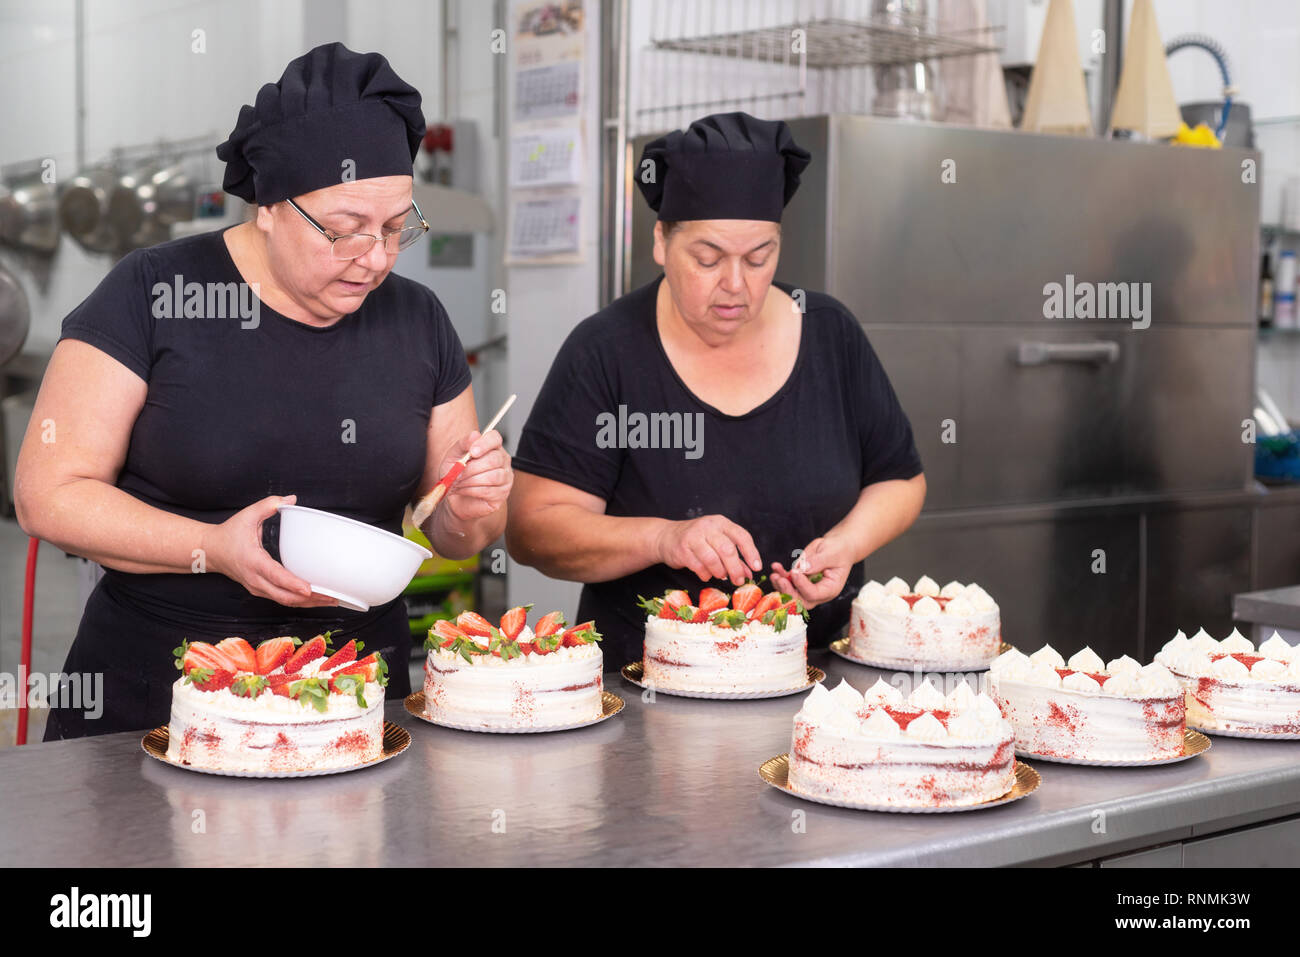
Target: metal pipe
1112 28
79 81
615 31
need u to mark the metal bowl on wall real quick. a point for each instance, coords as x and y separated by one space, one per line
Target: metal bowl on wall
29 216
128 204
83 209
15 315
147 201
174 192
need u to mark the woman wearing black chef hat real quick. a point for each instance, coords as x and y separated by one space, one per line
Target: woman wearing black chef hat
702 428
163 439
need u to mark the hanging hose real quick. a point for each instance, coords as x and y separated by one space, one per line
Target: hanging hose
1214 49
25 655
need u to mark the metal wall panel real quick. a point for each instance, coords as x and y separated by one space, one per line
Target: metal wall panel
1197 559
1059 431
929 355
1027 209
1277 547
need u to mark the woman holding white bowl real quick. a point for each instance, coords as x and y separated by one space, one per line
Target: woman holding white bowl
159 445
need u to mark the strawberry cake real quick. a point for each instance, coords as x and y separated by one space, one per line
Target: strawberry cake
896 625
513 677
743 642
1235 688
277 707
1085 709
877 748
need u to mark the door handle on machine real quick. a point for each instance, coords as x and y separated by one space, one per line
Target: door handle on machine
1038 353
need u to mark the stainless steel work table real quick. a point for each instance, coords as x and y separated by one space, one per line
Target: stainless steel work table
673 782
1277 607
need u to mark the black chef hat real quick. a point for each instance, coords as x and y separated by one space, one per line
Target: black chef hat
724 166
330 106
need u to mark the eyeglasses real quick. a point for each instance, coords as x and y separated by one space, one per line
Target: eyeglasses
355 245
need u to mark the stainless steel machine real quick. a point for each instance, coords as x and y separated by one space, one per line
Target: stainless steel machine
1093 475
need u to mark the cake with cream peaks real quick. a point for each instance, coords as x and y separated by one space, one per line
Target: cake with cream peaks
1085 709
747 641
280 707
513 677
924 626
1234 687
878 747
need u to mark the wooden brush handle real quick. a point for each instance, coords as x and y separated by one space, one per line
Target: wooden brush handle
430 501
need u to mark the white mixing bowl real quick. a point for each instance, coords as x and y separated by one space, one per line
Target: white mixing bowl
358 564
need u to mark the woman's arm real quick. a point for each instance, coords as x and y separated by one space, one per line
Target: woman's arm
64 490
74 448
564 532
884 511
473 512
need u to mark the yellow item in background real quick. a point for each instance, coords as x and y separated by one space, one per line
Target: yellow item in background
1201 136
437 565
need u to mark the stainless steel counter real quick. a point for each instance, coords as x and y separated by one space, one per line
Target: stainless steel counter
1279 607
674 782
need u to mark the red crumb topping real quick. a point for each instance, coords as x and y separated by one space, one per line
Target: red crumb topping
903 717
1203 688
1063 716
801 743
913 599
352 741
1066 672
1245 659
934 794
667 661
523 707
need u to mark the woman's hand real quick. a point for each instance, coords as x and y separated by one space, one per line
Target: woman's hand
234 548
485 484
712 546
827 557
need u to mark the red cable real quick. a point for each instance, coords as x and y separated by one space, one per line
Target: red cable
25 659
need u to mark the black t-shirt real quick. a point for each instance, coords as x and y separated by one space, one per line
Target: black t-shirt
246 406
787 471
238 408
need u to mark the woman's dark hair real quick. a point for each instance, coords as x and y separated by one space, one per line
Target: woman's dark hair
670 224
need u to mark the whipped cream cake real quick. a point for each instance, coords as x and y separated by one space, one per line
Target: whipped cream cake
1085 709
274 708
928 750
744 642
1233 686
896 625
514 676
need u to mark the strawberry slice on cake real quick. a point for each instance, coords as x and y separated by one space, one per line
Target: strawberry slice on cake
744 641
477 674
230 713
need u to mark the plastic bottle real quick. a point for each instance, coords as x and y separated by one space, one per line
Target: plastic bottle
1284 315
